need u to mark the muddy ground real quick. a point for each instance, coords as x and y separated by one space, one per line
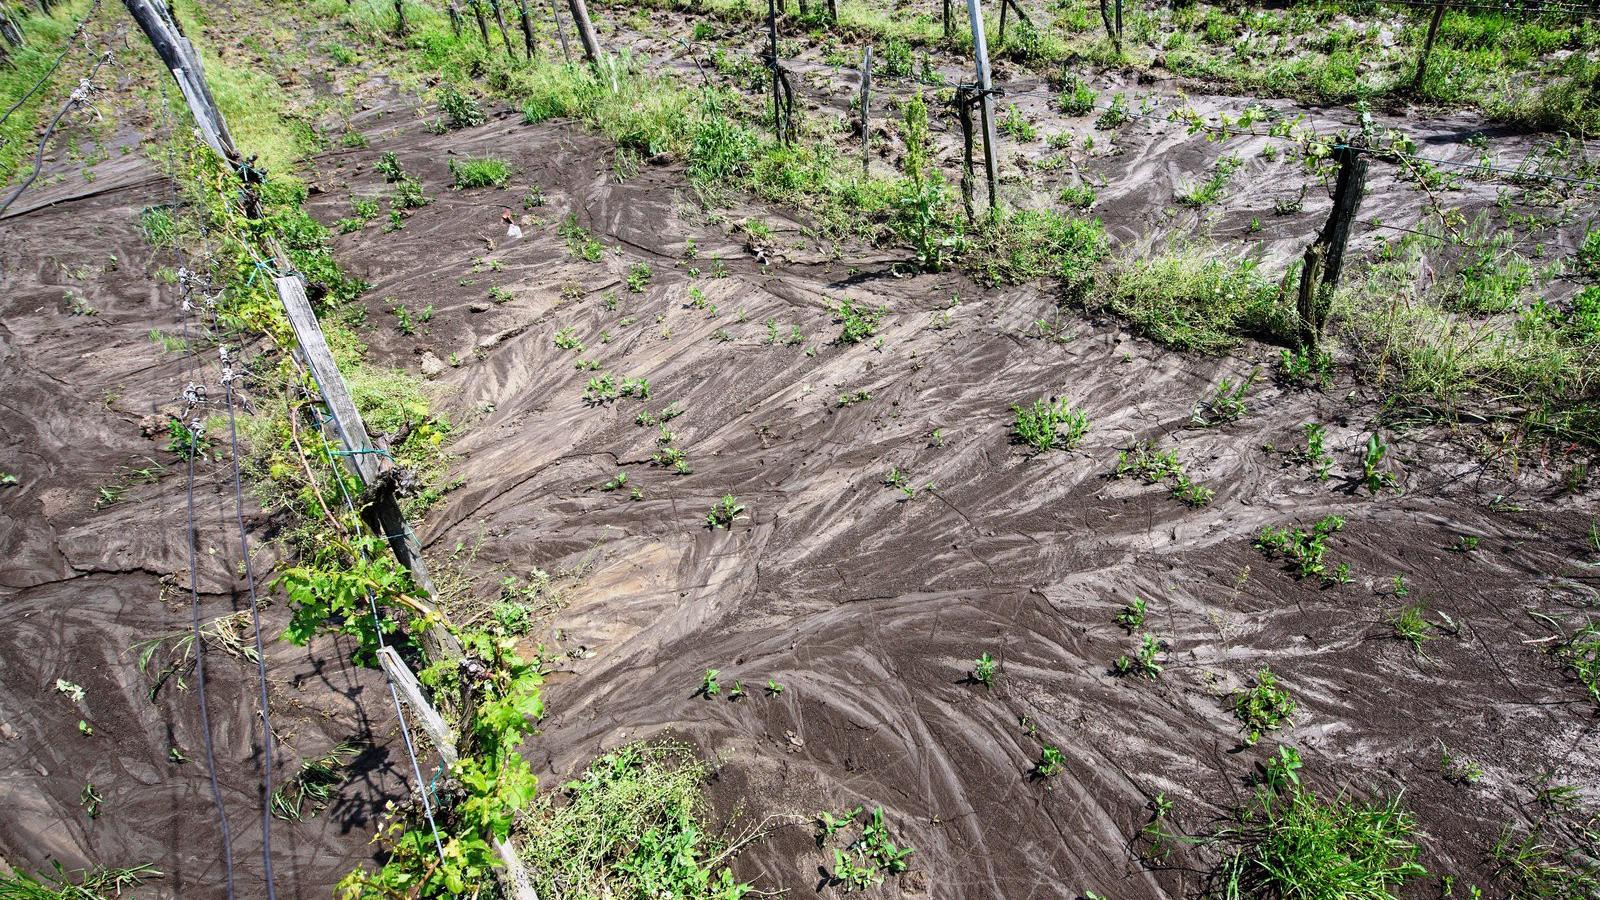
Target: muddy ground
868 606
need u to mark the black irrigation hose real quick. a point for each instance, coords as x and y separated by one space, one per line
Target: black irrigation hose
38 156
45 78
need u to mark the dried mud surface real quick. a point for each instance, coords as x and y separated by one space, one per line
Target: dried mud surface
867 606
870 607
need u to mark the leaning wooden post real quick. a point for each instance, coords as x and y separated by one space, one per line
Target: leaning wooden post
505 33
1113 27
561 31
515 876
772 61
580 20
483 23
455 18
527 27
980 50
1324 259
1427 46
866 111
399 18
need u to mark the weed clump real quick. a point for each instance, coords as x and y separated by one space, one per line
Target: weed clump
1264 707
479 172
1050 424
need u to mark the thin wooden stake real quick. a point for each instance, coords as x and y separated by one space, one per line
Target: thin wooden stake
777 91
964 100
949 19
505 33
866 111
980 48
483 23
1427 46
561 31
455 18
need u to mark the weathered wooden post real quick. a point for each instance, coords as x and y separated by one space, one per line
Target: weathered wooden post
833 11
1427 45
500 20
866 111
963 102
1113 25
980 49
399 18
455 17
772 62
1324 259
527 27
580 20
483 23
947 19
561 31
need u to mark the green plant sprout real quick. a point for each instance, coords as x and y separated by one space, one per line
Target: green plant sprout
1142 664
1052 762
724 512
708 684
985 670
1050 424
1264 707
1132 616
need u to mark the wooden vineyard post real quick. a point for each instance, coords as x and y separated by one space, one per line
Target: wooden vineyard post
526 21
515 876
505 34
777 82
455 17
963 103
866 111
833 11
1118 5
948 19
580 20
561 31
1324 259
399 18
1113 25
1427 46
980 49
483 23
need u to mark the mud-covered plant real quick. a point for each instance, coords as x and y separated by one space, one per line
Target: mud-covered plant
709 686
724 512
313 785
1142 663
1411 625
1290 843
580 243
985 670
1132 616
774 688
1154 466
600 389
1049 424
1372 473
1226 403
638 387
1579 654
1316 453
1264 707
388 165
458 109
859 322
1052 762
1305 548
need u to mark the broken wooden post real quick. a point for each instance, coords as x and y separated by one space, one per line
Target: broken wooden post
500 20
180 58
1324 259
1427 46
9 30
527 27
580 21
980 49
866 111
514 878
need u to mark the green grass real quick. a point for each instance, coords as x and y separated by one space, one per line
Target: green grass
96 883
45 36
1049 424
1293 844
1186 299
479 172
633 824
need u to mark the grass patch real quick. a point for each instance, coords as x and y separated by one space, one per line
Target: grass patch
632 825
479 172
44 37
1184 298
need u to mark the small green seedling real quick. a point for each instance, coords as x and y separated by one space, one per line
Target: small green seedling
985 670
1050 424
1131 616
1142 664
708 684
774 688
724 512
1264 707
1051 762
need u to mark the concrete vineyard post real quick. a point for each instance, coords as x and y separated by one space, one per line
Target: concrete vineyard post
580 20
1427 45
1324 259
980 49
866 111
